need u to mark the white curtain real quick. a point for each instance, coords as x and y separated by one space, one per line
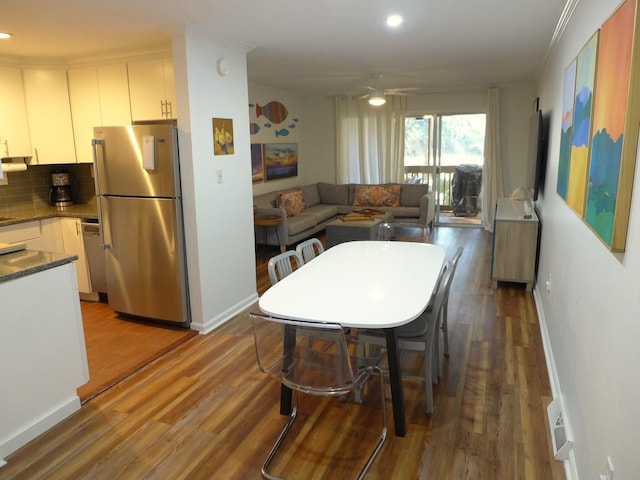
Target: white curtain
369 140
492 187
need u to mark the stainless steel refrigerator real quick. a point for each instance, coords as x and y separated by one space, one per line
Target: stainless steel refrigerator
137 176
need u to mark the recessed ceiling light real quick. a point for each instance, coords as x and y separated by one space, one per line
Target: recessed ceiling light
394 20
5 35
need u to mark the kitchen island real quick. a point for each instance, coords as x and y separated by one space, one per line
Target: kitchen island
42 348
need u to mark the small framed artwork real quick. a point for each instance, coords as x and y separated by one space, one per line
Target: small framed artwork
280 160
257 166
222 136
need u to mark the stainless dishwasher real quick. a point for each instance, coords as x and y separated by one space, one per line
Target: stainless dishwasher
95 254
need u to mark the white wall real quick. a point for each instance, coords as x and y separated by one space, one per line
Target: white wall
314 132
592 311
218 216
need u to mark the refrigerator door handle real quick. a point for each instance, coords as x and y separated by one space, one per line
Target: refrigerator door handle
96 164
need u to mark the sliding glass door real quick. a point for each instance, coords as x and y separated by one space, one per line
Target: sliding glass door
447 152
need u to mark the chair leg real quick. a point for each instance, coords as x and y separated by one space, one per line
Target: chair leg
428 365
285 430
383 435
445 331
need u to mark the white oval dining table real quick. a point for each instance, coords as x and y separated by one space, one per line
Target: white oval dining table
362 284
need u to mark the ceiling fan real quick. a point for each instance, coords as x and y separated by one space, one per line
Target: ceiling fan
377 95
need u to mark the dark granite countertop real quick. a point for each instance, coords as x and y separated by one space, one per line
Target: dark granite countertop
26 262
83 210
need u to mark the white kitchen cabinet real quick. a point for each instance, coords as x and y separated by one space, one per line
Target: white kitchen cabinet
42 341
14 128
51 235
27 232
99 96
71 229
49 114
152 89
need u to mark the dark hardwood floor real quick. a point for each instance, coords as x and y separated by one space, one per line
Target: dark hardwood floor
203 410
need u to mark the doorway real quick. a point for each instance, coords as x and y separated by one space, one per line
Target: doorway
447 153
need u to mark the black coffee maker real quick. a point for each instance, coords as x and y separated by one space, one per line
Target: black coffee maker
60 194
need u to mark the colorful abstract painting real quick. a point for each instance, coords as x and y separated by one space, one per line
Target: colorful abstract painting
257 166
611 99
281 160
582 114
568 96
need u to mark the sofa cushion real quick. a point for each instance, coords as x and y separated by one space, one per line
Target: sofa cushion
377 195
410 195
322 212
291 202
300 223
333 194
311 195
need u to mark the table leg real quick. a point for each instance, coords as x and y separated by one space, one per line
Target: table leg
285 400
289 343
395 378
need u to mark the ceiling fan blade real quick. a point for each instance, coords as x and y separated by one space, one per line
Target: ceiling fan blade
400 90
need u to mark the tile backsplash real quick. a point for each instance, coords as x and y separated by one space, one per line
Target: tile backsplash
30 189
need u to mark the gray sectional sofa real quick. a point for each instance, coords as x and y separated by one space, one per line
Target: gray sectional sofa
325 202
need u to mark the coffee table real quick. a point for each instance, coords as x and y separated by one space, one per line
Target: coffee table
340 231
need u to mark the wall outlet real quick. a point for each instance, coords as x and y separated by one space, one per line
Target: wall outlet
547 284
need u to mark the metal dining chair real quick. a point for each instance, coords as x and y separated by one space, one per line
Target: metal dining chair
405 232
310 249
420 335
445 331
283 264
312 358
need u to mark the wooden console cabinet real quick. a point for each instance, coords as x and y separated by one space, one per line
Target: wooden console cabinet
515 242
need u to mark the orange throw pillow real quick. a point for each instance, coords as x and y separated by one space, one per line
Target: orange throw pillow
291 202
377 195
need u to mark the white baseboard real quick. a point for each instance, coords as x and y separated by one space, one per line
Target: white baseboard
570 467
211 324
38 426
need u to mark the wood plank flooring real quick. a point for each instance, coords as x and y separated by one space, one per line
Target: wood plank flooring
204 410
117 347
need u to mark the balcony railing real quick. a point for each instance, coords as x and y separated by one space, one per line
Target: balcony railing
427 175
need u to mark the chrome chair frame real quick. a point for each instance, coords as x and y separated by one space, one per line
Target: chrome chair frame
302 358
281 265
310 249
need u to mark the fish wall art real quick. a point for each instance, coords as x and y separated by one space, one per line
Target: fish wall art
275 113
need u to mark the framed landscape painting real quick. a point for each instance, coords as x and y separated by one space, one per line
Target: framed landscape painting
582 113
257 166
281 160
614 133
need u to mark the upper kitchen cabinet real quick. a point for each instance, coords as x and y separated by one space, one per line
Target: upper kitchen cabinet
49 114
14 128
99 97
152 89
